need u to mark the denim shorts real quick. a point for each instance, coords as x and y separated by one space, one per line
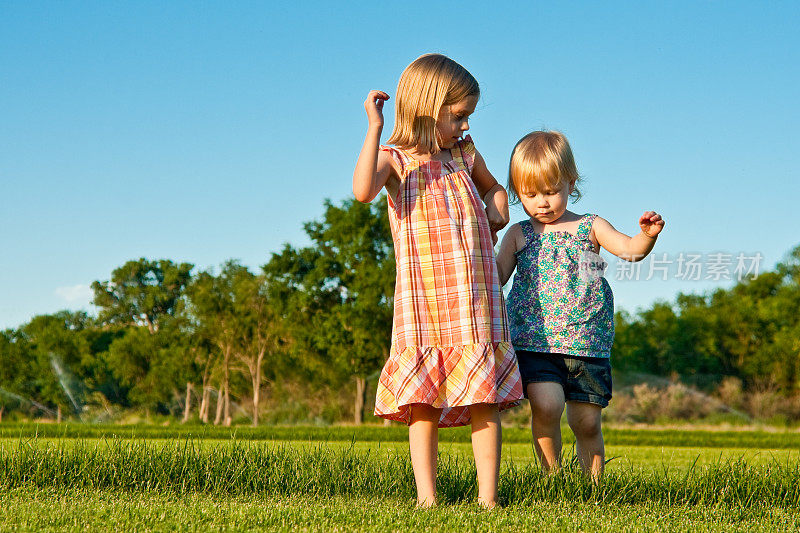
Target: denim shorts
584 379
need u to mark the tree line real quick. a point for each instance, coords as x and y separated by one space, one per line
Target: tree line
171 340
750 331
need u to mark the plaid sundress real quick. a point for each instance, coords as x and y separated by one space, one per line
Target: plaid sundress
450 342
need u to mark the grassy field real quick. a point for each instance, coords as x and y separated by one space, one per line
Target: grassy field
690 438
44 510
224 481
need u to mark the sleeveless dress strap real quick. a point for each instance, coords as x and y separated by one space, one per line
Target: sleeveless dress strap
399 157
527 231
585 226
464 150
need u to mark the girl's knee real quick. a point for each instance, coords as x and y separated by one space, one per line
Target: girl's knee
586 427
546 411
484 415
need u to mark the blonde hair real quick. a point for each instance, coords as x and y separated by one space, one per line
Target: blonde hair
542 161
428 83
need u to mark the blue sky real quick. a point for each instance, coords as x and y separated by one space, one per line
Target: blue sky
203 131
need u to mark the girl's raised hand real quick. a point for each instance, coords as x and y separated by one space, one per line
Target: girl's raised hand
651 223
374 106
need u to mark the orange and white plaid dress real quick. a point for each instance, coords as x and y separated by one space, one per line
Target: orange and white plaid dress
450 341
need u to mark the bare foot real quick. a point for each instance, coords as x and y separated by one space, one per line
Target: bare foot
487 504
426 504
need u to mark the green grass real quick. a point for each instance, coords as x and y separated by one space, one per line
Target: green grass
68 510
678 458
250 468
195 478
398 433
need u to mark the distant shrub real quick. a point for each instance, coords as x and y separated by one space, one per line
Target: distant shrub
728 404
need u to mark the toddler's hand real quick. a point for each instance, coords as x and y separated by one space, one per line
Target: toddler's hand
374 106
651 223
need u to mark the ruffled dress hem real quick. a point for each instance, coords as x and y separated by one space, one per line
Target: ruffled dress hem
448 378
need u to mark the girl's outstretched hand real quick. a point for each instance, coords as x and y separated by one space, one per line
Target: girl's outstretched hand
374 106
651 223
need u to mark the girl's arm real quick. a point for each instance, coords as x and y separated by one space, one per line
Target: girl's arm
507 256
633 248
372 171
493 194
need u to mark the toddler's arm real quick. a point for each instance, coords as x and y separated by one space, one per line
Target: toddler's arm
633 248
372 168
507 256
493 194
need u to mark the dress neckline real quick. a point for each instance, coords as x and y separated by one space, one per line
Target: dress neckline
427 161
580 238
450 166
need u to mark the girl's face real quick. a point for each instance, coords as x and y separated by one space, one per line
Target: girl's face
453 121
546 206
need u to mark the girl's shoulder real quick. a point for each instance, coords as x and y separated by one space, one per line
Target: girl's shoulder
519 232
588 225
467 145
465 151
389 156
594 223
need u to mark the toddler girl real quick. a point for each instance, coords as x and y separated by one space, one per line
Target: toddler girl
451 361
561 309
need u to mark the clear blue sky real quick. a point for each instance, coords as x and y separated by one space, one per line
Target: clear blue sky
203 131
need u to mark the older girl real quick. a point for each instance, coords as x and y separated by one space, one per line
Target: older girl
451 362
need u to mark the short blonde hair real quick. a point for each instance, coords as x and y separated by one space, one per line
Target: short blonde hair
428 83
542 161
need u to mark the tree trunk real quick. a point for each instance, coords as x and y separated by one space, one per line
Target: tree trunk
255 407
1 412
204 403
223 401
206 395
361 396
202 408
257 385
188 407
256 395
220 401
58 414
227 405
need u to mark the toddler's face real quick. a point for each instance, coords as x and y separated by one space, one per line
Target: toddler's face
453 121
546 206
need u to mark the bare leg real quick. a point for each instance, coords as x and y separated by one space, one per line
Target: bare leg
423 440
547 404
486 443
584 420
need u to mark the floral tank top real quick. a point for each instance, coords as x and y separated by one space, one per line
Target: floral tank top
559 301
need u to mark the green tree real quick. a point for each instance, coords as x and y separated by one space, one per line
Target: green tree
17 374
146 298
749 331
260 330
212 305
343 286
57 348
141 292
